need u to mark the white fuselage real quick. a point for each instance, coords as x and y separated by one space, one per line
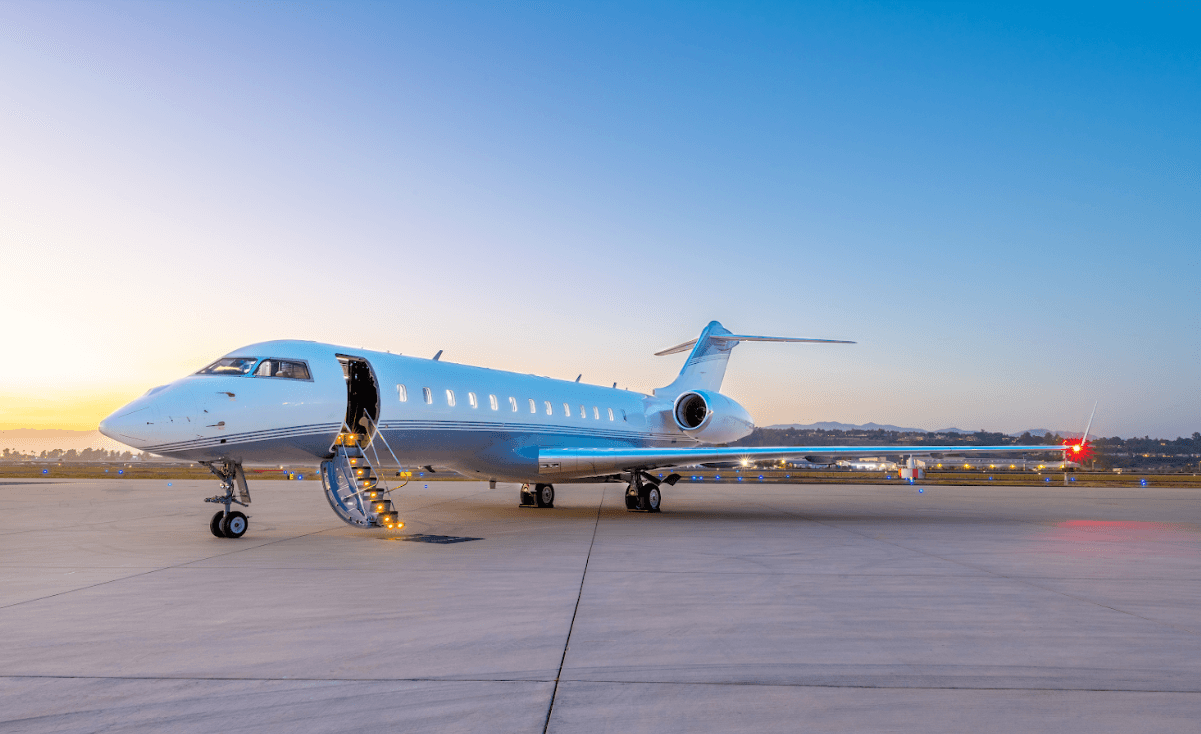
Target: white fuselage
480 422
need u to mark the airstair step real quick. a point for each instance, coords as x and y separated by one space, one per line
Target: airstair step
381 506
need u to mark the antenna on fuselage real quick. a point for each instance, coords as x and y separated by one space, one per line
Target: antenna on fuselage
577 379
439 354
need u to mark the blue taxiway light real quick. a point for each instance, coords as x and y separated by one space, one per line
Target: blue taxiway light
168 484
299 476
120 471
919 491
47 471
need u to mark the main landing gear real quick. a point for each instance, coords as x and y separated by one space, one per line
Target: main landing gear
643 493
227 523
542 495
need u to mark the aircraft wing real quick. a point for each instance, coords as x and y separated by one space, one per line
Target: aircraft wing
596 462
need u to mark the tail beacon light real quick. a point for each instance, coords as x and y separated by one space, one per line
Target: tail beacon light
711 417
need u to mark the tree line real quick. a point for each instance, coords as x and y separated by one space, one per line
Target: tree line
89 454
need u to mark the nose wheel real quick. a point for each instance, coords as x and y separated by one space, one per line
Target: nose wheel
233 525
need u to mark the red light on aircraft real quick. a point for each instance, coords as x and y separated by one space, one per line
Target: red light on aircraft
1078 451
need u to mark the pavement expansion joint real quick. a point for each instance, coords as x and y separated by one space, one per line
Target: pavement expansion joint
550 709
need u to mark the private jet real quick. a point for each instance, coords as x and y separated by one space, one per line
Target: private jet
369 418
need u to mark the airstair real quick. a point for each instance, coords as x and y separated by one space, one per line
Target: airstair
352 485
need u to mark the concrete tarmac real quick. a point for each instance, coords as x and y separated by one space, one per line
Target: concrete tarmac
740 608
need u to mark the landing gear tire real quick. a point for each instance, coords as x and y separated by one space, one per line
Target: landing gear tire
544 495
234 525
215 524
527 497
631 500
650 498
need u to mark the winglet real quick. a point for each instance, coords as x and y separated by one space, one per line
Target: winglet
1084 438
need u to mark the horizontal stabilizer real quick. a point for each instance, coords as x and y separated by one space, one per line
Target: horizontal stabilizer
745 338
706 365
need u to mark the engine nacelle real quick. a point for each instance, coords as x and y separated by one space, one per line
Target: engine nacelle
711 417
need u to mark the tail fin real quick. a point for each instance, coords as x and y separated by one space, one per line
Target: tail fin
706 365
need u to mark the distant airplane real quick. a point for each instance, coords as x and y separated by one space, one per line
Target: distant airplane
360 413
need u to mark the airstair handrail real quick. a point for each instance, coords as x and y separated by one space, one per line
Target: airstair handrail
377 433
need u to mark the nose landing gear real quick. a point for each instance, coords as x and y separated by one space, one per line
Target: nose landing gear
227 523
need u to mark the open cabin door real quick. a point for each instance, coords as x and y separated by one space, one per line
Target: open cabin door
362 394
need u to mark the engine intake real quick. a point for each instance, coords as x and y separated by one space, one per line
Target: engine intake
711 417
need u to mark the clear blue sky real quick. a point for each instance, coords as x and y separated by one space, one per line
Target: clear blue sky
1000 205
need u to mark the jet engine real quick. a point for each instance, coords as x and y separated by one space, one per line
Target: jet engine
711 417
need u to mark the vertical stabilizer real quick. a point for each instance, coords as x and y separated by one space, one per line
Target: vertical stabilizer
706 365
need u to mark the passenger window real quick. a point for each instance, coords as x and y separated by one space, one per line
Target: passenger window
533 407
610 414
548 408
492 402
566 410
403 393
282 368
450 398
583 413
471 399
429 396
595 413
623 416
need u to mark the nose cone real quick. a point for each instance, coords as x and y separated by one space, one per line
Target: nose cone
128 425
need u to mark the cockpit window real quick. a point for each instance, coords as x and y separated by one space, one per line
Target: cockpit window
230 366
284 368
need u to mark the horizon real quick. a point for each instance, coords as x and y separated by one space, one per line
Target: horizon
997 204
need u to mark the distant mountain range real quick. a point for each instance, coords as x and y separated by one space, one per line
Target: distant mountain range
836 426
